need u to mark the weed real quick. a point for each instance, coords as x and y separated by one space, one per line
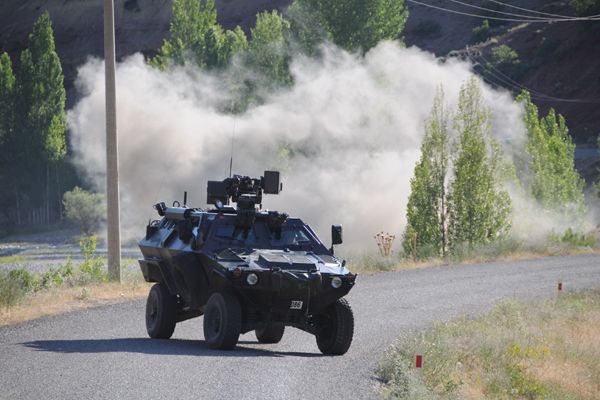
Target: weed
91 268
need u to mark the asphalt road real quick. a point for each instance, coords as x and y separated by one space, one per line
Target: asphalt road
104 353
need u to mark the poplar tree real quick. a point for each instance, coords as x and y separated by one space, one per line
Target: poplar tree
7 87
268 49
40 132
7 96
425 232
479 210
551 175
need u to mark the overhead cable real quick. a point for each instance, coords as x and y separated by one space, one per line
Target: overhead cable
537 12
530 20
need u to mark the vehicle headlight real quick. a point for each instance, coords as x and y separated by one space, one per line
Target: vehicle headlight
252 279
336 282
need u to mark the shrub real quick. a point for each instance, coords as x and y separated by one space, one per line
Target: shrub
84 209
504 55
91 268
575 239
482 32
11 289
56 276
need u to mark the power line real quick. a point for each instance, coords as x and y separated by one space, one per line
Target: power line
497 11
537 12
506 80
500 18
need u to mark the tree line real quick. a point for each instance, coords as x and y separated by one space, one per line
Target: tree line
258 64
459 194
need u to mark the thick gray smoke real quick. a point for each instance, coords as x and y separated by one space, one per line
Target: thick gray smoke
346 136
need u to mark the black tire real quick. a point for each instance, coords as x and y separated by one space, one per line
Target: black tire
270 333
222 321
161 312
335 328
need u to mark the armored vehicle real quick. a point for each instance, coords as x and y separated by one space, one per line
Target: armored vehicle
245 269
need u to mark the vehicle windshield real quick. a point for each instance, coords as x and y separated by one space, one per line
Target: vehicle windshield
295 237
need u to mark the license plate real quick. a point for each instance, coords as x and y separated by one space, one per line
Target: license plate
296 305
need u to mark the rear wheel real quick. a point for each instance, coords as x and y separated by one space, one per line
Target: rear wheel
335 328
222 321
270 333
161 312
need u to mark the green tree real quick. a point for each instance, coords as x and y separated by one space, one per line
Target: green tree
197 36
359 24
38 141
268 51
7 96
425 232
597 184
7 87
554 181
479 210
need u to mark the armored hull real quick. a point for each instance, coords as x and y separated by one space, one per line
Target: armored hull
263 271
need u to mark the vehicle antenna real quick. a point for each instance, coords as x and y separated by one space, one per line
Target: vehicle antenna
232 142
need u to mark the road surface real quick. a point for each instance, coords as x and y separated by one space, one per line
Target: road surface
104 353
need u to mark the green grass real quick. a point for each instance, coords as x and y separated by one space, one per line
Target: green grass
14 259
540 350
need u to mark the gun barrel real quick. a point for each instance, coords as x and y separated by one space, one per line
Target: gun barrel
178 213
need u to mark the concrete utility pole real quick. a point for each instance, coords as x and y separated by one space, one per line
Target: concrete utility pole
113 237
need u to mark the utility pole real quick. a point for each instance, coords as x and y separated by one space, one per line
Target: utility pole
113 237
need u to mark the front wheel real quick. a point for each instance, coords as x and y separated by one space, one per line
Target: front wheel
335 328
161 312
222 321
270 333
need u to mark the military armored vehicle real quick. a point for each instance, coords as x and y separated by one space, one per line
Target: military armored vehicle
245 269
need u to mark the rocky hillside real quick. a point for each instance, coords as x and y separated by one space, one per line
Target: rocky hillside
557 62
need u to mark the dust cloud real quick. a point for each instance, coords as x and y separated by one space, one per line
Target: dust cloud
346 136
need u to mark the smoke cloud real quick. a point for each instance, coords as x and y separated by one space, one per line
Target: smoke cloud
346 136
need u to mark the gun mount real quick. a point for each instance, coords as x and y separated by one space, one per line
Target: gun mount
245 191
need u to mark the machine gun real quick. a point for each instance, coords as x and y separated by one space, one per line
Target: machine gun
245 191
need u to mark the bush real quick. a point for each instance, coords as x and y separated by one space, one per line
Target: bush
84 209
56 276
11 289
573 238
504 55
482 32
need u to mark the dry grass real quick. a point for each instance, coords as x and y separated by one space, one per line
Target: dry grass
543 350
374 263
64 299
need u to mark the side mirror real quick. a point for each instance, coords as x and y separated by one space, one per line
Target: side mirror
336 234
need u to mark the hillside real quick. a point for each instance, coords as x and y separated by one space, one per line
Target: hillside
557 61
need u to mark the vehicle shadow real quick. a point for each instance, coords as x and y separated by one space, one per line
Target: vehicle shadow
155 346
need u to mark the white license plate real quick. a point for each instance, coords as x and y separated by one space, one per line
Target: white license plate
296 305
